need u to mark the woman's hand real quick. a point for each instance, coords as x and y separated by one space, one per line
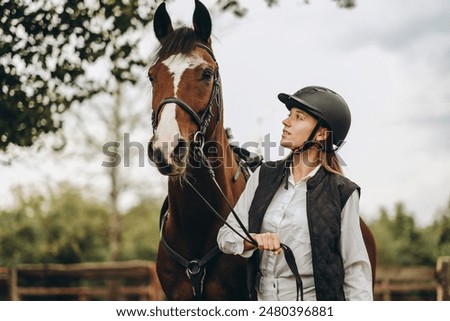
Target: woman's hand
266 242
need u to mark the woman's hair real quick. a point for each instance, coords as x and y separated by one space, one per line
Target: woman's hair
328 157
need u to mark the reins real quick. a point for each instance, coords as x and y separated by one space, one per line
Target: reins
247 236
288 254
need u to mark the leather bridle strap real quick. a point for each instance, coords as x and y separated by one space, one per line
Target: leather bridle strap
183 105
196 268
215 98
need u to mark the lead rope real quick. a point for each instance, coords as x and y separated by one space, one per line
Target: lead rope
288 254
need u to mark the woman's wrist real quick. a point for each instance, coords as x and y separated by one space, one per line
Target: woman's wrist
248 245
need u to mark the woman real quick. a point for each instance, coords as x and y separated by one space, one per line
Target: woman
305 202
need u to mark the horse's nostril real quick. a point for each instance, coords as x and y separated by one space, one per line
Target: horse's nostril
181 149
155 154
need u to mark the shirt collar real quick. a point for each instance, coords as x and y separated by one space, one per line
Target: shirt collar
304 179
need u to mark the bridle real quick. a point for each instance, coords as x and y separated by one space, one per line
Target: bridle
203 120
196 268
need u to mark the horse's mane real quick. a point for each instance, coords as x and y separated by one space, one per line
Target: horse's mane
181 40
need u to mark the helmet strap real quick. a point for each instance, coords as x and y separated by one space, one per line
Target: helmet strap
310 141
306 145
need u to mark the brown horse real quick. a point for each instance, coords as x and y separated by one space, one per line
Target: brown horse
188 117
369 241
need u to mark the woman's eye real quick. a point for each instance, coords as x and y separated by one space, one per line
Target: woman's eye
301 117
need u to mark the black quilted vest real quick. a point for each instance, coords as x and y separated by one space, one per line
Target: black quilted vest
327 194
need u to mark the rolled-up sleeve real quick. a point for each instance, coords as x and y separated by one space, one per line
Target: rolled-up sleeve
358 272
228 241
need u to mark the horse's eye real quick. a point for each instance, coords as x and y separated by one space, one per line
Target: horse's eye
150 77
207 75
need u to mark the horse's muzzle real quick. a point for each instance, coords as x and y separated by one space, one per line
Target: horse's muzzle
169 163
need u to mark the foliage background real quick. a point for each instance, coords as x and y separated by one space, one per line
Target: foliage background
63 226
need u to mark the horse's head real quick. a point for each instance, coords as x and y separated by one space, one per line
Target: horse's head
186 88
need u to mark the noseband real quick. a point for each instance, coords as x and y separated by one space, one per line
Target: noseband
203 120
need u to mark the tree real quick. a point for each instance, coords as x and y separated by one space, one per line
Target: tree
140 226
341 3
114 119
381 229
65 226
48 47
440 231
46 50
399 241
62 227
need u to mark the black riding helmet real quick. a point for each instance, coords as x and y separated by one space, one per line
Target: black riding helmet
324 104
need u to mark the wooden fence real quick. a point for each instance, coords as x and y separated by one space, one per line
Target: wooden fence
137 280
132 280
443 278
414 283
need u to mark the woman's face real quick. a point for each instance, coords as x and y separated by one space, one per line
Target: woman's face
297 128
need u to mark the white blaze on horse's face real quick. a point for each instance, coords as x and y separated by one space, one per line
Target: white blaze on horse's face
168 133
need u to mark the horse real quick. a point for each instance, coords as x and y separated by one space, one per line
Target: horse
371 248
187 117
190 145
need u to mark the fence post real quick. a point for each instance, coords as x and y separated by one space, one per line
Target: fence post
443 277
13 292
386 289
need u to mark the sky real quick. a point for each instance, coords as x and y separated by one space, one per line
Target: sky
390 60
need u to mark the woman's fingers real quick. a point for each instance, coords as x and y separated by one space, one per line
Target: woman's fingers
268 242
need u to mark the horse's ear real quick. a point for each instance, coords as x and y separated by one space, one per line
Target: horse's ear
202 22
162 23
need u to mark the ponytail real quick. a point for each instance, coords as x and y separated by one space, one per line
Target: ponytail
329 159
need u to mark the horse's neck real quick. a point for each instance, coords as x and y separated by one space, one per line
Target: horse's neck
184 201
218 151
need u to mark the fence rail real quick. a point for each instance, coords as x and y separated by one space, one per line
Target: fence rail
137 280
132 280
406 283
414 283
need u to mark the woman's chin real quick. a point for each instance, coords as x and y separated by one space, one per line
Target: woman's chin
287 144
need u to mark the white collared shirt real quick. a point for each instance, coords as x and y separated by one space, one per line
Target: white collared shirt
286 216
